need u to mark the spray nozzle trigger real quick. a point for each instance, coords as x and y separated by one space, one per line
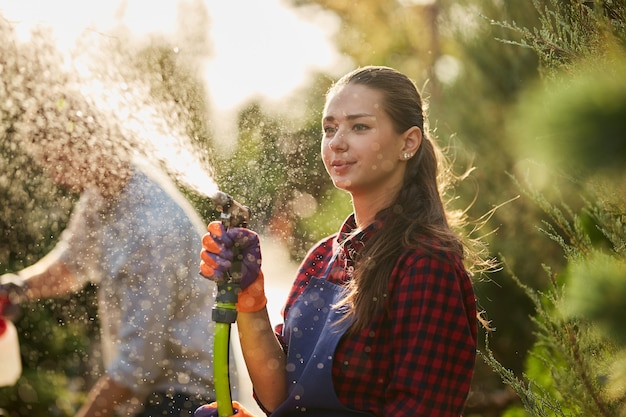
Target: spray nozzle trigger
233 214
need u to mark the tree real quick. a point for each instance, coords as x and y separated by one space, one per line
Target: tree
575 368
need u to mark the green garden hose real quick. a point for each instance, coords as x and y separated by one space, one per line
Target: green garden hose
221 369
225 309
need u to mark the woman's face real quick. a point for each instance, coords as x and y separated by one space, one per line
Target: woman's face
361 150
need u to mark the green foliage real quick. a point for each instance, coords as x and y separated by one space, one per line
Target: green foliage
33 211
572 127
593 97
33 214
37 393
571 357
570 30
324 222
56 342
540 405
596 291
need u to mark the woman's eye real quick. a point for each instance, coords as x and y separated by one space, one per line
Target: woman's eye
328 130
360 126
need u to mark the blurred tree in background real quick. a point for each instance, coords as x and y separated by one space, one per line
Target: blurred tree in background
529 92
571 126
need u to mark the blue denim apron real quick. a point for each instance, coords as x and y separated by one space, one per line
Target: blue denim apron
312 332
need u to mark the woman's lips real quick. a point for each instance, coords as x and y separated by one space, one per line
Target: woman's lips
340 166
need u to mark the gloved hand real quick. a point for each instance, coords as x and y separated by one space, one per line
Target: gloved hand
12 292
210 410
217 259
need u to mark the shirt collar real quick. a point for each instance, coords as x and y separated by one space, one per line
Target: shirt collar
351 239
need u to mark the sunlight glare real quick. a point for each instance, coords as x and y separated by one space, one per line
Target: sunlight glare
263 48
258 48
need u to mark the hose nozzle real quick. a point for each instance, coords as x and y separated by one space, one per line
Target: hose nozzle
233 213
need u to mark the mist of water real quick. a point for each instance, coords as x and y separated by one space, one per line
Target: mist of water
156 126
110 104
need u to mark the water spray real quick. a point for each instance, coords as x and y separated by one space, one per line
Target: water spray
105 103
233 214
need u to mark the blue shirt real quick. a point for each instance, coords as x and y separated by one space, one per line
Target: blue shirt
141 248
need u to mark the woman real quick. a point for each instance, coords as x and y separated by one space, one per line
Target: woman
381 319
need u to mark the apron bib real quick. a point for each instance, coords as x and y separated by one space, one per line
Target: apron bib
312 332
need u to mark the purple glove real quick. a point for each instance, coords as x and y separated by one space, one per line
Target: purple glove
207 410
217 254
210 410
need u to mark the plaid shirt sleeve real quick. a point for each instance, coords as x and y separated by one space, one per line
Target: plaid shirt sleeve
433 320
417 358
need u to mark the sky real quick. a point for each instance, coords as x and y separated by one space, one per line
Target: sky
289 43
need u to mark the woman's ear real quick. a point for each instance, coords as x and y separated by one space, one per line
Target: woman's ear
412 141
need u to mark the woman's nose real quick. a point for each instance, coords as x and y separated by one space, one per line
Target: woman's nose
338 142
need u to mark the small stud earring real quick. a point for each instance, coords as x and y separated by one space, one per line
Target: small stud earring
407 155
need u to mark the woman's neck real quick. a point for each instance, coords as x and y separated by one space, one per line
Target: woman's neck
367 207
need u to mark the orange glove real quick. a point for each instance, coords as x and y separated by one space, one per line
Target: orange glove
210 410
217 256
252 298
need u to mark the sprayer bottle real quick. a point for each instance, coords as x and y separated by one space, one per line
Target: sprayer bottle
10 362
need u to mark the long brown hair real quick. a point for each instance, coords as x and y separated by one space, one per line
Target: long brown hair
417 217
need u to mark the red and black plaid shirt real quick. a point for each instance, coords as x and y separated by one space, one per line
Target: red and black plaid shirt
417 358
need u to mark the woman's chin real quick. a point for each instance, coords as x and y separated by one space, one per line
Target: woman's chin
342 184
